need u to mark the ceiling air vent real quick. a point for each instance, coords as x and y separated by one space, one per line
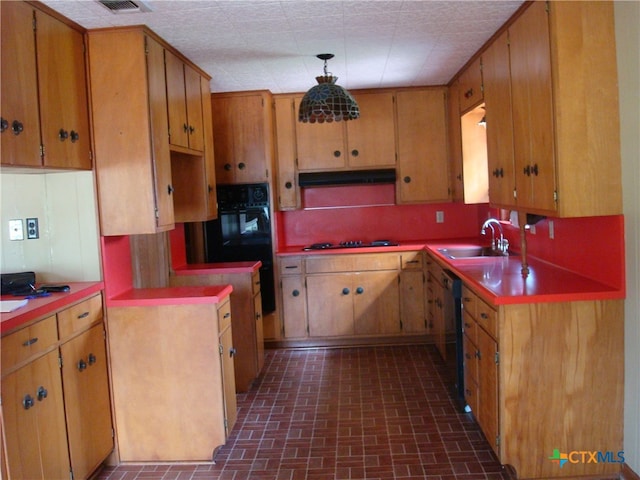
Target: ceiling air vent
125 6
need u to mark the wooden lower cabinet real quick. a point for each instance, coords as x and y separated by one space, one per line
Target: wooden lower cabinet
86 395
171 381
546 376
34 424
352 296
246 311
56 409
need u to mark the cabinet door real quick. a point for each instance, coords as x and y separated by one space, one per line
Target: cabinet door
320 146
497 96
86 396
242 136
193 100
376 303
439 328
285 135
176 101
330 305
257 308
294 308
422 146
160 135
209 149
34 423
487 413
21 136
455 142
62 86
533 125
371 138
470 93
227 353
412 306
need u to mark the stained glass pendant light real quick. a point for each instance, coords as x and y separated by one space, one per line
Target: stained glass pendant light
327 101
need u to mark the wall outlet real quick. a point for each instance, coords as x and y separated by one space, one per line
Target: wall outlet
33 230
552 233
439 216
16 231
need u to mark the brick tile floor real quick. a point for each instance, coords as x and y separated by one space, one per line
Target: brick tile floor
374 413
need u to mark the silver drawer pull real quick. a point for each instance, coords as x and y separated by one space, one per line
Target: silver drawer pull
31 341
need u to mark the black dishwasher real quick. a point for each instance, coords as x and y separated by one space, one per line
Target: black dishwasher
453 311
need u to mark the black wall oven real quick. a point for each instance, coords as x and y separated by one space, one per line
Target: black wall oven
242 232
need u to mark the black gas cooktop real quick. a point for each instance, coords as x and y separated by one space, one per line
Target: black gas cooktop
350 244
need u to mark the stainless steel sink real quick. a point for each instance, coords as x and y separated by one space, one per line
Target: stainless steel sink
473 251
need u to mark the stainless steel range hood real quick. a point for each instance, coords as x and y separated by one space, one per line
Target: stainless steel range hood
350 177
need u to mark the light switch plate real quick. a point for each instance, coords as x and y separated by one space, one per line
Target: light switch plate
16 232
439 216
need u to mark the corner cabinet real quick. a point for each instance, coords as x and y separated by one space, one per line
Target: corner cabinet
423 173
56 404
45 113
145 184
243 136
173 380
564 106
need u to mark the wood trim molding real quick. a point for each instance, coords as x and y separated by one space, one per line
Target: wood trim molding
628 474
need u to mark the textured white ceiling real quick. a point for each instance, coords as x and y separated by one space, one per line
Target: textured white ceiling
265 44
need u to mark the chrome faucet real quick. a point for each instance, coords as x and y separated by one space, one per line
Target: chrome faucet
499 245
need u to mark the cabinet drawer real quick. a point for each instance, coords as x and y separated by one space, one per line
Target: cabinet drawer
412 261
28 341
290 265
469 301
352 263
487 318
224 316
80 316
255 283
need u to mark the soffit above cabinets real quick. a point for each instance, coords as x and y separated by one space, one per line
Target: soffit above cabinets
264 44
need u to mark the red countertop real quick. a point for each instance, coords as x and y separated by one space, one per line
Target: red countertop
218 268
41 307
142 297
499 280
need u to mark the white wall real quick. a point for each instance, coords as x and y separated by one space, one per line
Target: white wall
64 203
627 16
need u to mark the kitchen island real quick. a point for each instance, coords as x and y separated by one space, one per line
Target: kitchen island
172 372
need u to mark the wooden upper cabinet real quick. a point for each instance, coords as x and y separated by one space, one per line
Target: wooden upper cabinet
20 122
367 142
45 120
209 149
285 153
455 142
243 136
64 113
133 168
499 127
470 92
564 108
423 174
533 115
319 146
184 99
371 138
